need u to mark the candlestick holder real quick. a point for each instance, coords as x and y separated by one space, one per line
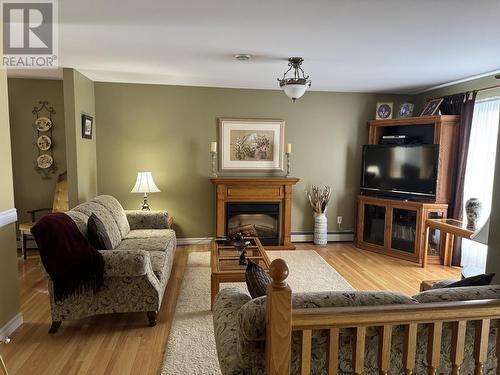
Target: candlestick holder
288 158
214 164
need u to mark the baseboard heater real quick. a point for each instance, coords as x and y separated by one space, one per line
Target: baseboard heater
337 236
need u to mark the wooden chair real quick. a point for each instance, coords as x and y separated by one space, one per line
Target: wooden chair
60 204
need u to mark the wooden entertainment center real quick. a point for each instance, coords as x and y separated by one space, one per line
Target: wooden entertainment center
395 226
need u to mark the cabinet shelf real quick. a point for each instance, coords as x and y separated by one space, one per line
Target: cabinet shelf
396 228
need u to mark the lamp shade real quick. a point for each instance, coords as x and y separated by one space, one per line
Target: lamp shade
481 235
145 183
294 91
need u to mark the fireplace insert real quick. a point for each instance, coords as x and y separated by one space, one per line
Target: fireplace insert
255 219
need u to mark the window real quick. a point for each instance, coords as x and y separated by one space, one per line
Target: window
480 172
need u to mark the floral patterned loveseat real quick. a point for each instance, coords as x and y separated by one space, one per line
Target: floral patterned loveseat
137 269
240 332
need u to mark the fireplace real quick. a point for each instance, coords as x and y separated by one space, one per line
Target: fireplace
261 205
254 219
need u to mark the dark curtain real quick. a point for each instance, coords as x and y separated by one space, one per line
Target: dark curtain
462 105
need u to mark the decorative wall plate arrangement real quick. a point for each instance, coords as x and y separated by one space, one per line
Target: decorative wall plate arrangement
43 124
44 144
44 161
384 110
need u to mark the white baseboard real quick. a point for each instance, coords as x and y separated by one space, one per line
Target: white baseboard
8 217
297 237
331 237
194 240
11 326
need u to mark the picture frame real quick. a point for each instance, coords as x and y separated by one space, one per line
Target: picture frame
384 110
432 107
406 109
251 144
87 126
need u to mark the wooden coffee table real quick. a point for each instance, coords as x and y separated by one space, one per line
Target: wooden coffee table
224 261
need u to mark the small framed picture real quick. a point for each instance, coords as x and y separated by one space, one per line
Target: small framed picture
406 109
384 110
87 125
432 107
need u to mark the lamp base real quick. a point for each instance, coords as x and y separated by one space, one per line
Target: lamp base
145 205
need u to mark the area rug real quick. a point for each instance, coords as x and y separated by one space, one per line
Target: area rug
191 345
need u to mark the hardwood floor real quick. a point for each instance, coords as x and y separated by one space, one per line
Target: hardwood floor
124 344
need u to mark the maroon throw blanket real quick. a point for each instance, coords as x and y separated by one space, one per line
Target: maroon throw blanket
72 263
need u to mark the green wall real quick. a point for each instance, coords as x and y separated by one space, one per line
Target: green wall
80 152
168 129
31 191
9 287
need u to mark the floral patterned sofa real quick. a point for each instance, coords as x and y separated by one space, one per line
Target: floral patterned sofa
137 269
240 332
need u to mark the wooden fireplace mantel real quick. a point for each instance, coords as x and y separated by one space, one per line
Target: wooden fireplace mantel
256 189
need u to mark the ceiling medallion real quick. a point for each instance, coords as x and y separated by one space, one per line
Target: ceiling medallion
296 86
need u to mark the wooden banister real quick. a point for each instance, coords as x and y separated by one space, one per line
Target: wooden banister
278 320
282 320
326 317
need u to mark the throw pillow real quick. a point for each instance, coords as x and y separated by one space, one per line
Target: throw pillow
97 234
257 279
478 280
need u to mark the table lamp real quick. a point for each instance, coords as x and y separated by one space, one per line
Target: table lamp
145 184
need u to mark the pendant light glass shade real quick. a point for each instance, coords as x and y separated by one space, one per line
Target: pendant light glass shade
296 85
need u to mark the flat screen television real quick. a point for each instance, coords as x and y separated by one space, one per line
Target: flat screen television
400 170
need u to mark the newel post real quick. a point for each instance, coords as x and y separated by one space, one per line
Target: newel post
278 321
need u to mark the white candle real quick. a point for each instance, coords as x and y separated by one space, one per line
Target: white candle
213 147
289 148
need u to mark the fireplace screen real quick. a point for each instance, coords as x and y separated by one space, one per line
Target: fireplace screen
254 220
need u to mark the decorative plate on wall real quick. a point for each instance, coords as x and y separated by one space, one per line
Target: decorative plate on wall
44 161
43 124
44 142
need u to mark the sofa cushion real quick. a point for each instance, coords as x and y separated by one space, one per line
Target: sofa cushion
477 280
459 294
80 220
148 233
252 315
116 210
157 243
157 262
97 235
105 216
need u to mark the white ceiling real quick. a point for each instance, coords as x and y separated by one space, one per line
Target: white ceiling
401 46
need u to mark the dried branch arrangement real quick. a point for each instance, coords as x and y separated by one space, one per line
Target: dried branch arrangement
319 196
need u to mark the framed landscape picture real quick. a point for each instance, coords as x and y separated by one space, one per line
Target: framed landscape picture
247 144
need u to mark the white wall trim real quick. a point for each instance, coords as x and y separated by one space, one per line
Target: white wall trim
8 217
458 81
194 240
11 326
296 237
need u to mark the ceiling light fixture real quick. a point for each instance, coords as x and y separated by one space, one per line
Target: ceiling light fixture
242 57
296 86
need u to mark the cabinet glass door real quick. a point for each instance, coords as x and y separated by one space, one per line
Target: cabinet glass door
404 229
434 245
374 224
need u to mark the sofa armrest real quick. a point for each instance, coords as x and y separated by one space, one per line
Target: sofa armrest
141 219
126 263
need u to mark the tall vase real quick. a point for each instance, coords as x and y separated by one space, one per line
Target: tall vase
320 229
473 210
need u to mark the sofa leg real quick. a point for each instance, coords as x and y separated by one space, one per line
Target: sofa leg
54 327
152 315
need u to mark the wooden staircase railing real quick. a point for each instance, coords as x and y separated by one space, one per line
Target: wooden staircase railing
282 320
